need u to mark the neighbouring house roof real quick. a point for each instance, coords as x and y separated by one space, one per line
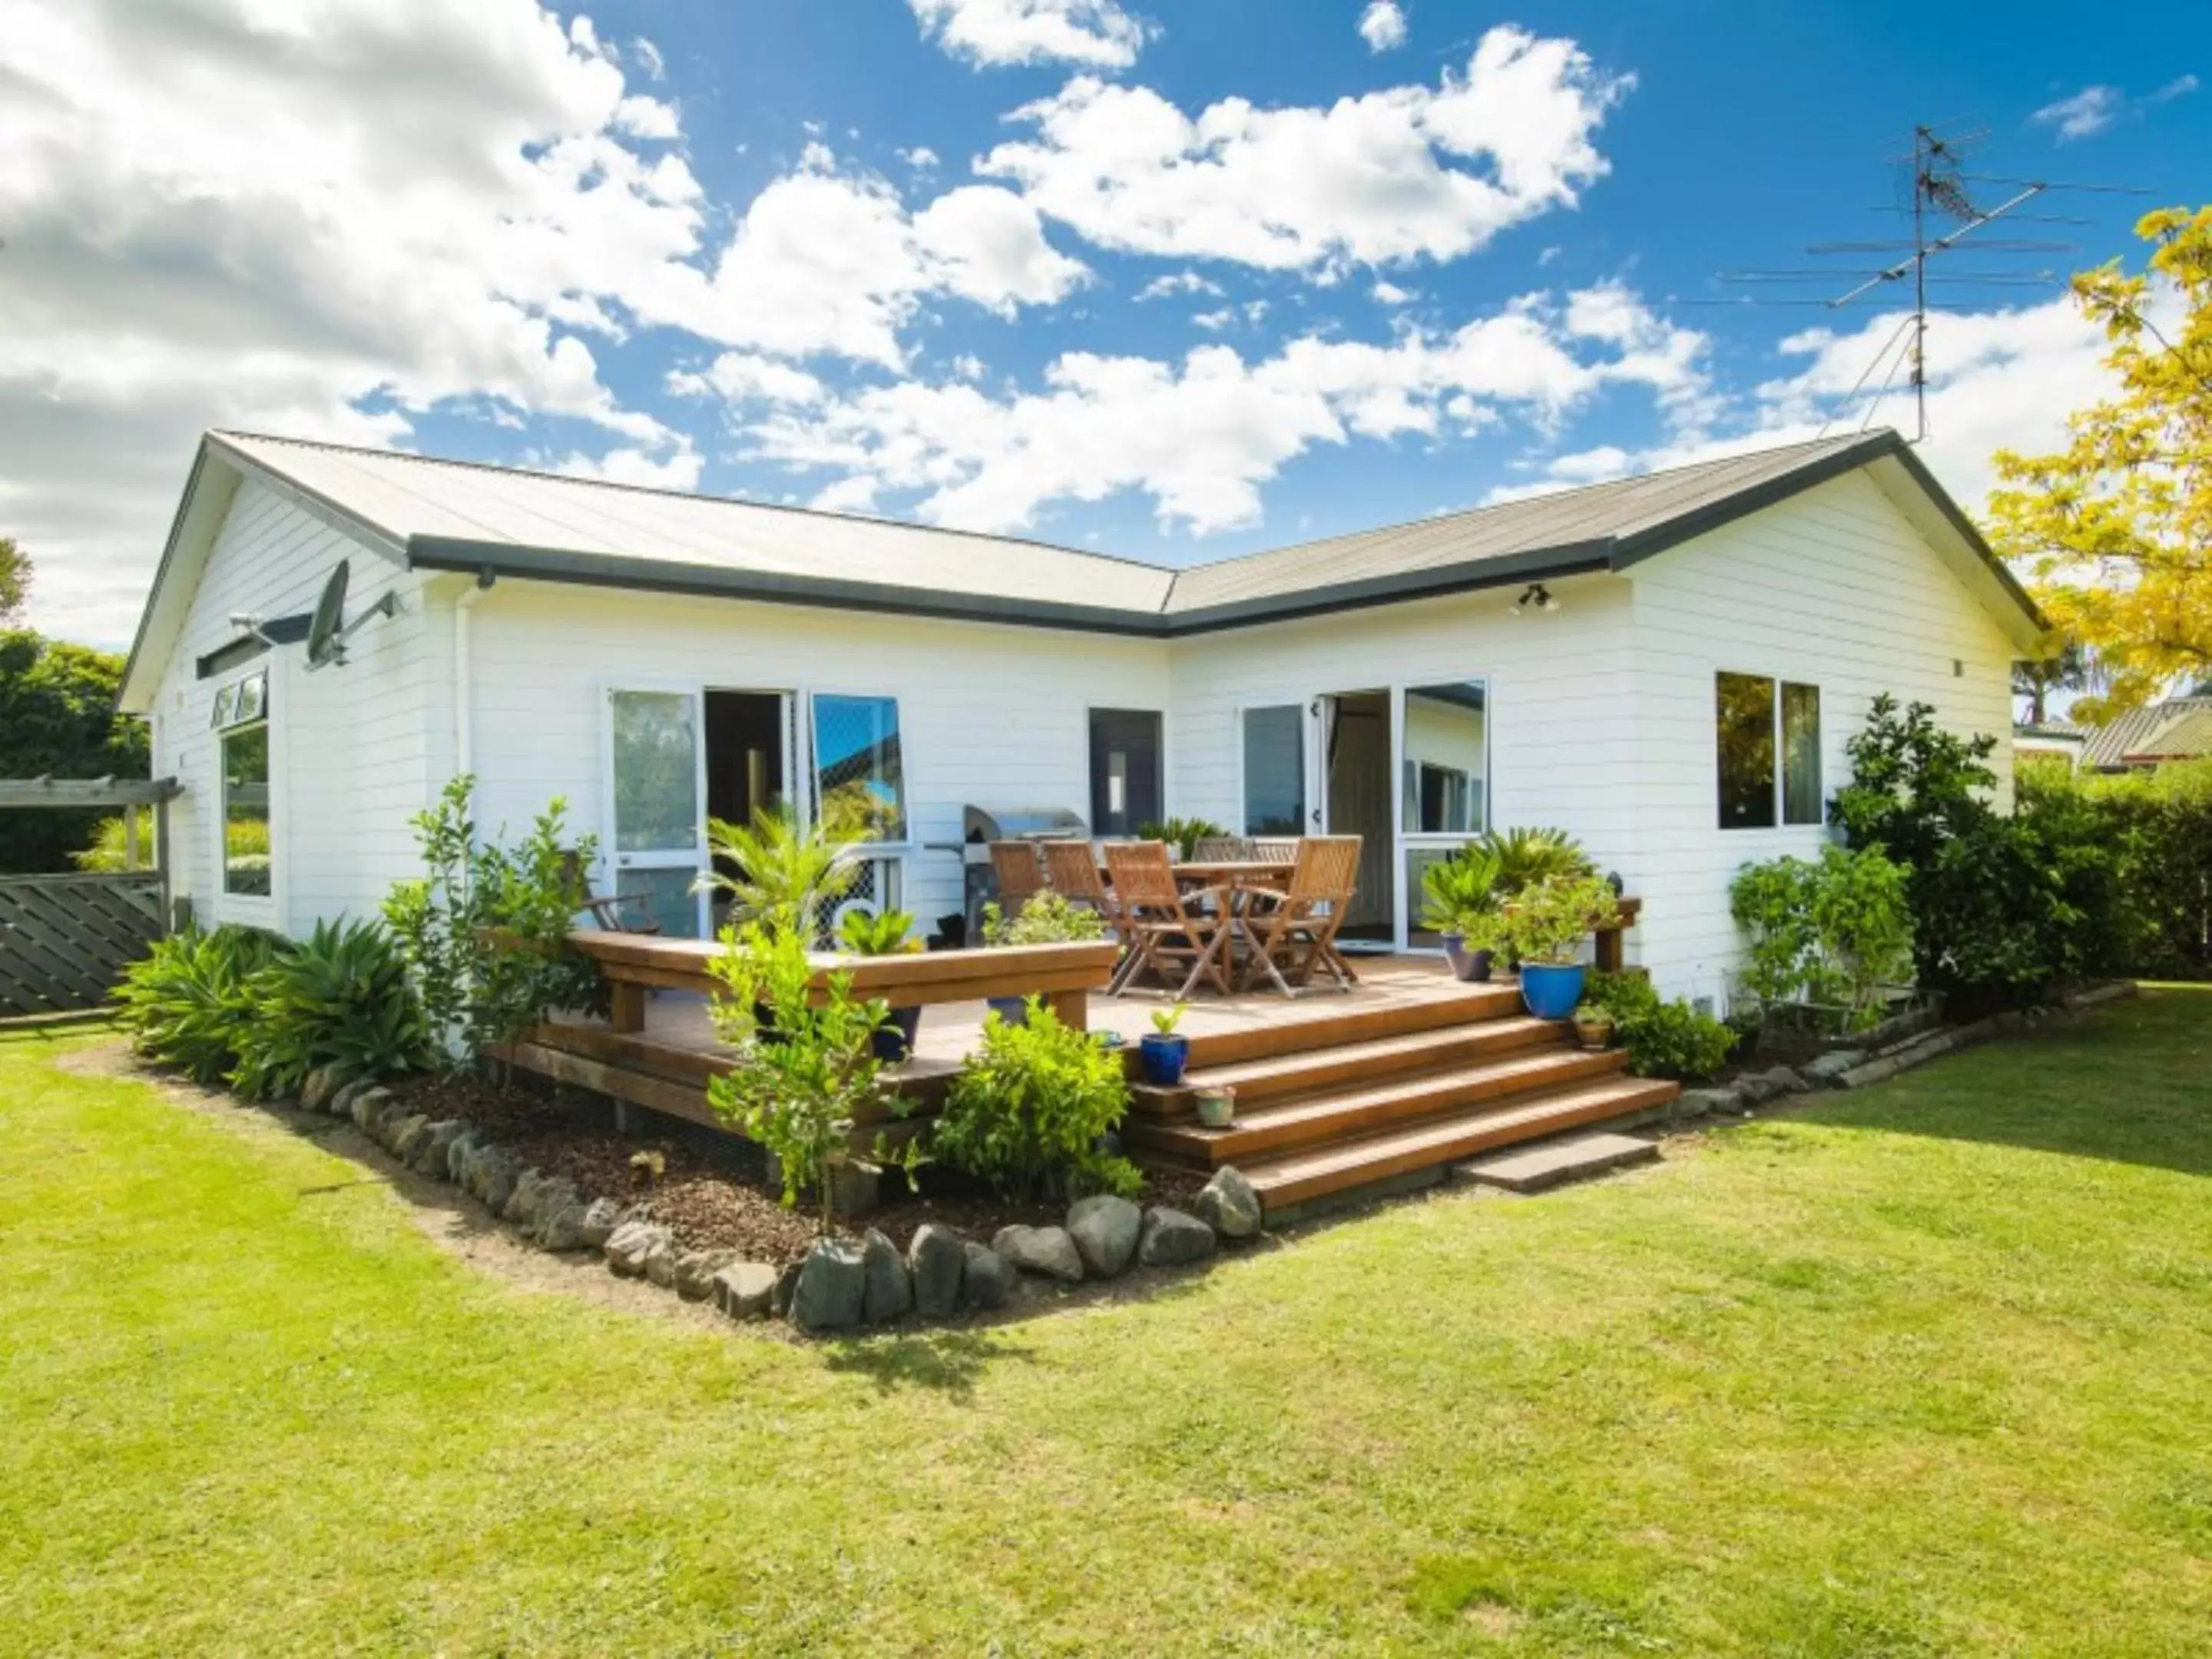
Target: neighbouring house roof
459 516
2179 728
2063 733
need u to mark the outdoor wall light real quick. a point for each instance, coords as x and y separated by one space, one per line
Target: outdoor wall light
1537 598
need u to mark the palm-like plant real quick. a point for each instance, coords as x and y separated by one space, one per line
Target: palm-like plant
1528 856
785 874
1459 888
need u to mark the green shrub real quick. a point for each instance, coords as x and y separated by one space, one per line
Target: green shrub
1526 856
1182 834
1460 894
1549 922
1049 918
798 1084
1663 1039
1831 932
2147 895
1027 1113
338 998
187 1003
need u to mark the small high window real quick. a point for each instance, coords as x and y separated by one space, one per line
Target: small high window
1126 789
1770 751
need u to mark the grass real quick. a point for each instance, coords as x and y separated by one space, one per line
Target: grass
1922 1371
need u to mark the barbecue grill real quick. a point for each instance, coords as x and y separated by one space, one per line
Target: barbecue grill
982 825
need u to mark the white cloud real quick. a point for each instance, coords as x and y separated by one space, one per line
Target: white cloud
649 59
1387 293
1395 175
1215 320
679 470
642 117
2180 87
996 32
853 495
321 224
1383 26
1181 282
1201 436
920 158
740 377
2082 115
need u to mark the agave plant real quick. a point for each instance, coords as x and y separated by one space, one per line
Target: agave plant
785 874
1461 888
338 998
187 1004
1527 857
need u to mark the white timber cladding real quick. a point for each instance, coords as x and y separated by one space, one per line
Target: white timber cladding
987 713
347 760
1834 588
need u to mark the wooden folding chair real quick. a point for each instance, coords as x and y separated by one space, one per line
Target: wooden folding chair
1225 849
1072 868
1020 874
1278 849
1165 928
1297 932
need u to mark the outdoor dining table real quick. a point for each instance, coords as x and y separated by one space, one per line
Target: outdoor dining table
1236 879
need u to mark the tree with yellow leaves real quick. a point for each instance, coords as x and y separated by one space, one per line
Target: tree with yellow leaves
2115 530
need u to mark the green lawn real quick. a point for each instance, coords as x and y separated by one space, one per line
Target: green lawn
1925 1370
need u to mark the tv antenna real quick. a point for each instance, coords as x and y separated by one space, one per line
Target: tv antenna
1945 217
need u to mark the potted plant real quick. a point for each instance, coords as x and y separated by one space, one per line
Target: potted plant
1049 918
1546 926
1182 835
1216 1106
1594 1025
867 933
1161 1052
1462 909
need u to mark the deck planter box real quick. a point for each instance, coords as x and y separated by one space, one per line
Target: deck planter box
1162 1059
1550 990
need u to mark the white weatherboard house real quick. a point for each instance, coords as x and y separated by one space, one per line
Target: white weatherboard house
1667 666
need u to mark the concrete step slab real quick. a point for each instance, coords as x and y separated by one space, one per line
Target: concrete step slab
1571 1157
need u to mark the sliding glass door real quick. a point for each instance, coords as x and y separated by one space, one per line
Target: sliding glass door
1444 779
655 781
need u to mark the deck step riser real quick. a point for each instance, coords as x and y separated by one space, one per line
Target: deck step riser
1483 1131
1471 1005
1296 1125
1309 1072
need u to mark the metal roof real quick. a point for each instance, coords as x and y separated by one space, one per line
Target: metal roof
2178 728
491 520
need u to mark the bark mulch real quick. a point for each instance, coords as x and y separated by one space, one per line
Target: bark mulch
711 1190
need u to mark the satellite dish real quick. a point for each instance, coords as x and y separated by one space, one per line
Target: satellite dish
326 634
329 631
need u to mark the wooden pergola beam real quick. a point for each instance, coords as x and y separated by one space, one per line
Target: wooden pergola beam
88 792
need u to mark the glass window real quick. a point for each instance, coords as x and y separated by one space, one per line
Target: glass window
1745 712
858 771
1275 770
1801 755
1126 788
245 850
1447 740
656 768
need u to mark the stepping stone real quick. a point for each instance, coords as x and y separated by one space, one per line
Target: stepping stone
1532 1168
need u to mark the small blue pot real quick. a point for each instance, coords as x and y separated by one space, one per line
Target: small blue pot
1550 990
1014 1011
1162 1059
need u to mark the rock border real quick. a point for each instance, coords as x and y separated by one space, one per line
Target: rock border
841 1284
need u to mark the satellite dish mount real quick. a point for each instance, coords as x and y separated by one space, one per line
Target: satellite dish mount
328 633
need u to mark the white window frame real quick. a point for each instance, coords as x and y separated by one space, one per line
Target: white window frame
1778 678
1159 714
262 910
1404 842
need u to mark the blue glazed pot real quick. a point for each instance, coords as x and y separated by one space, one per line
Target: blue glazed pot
1550 990
1162 1059
1014 1011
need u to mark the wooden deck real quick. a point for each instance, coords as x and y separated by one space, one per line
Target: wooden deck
1406 1073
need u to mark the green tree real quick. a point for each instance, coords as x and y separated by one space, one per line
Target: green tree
14 579
57 718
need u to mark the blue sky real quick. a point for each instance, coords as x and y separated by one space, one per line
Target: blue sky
701 243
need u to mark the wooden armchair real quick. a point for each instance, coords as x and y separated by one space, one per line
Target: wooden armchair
1071 869
1020 874
1295 934
1167 931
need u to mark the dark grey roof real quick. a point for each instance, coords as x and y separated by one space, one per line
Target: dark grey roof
2178 726
460 516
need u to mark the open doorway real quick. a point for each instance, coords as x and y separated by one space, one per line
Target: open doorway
1354 752
748 753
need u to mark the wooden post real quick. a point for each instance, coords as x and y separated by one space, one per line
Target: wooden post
1074 1008
627 1012
161 862
130 838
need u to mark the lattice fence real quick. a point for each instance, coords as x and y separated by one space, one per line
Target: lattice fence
64 940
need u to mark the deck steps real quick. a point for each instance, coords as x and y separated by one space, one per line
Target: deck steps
1305 1069
1367 1160
1342 1112
1270 1035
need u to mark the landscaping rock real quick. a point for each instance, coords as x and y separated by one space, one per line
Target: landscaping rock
1823 1071
557 1217
1229 1204
340 1104
745 1290
521 1206
1046 1250
1170 1239
934 1261
1701 1103
1104 1229
395 1130
600 1218
696 1271
368 1105
786 1285
1760 1087
831 1288
318 1085
492 1171
457 1154
429 1156
986 1281
887 1293
660 1263
631 1243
